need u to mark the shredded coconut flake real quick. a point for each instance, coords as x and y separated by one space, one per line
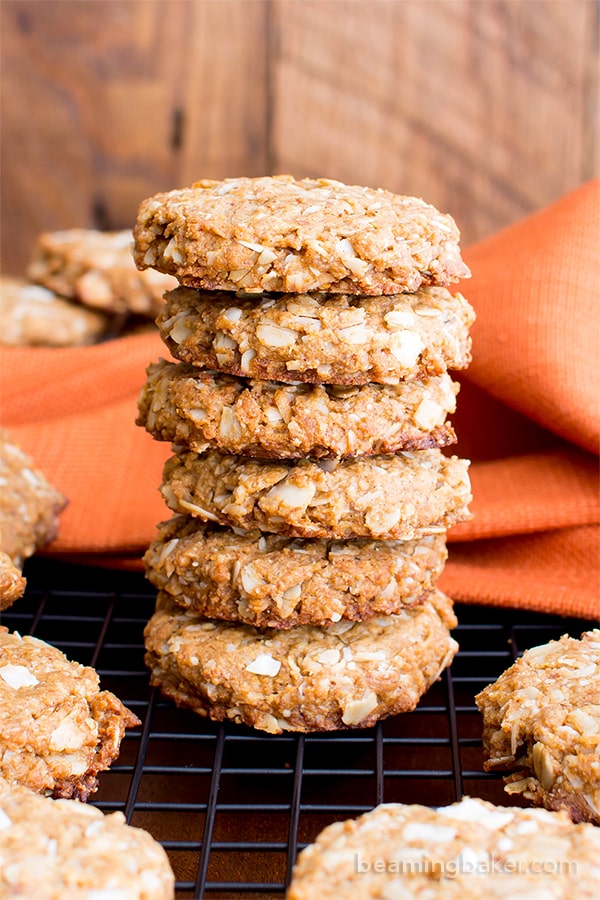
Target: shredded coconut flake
109 894
18 676
417 831
264 664
469 810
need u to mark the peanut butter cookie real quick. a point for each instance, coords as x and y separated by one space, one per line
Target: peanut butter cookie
346 675
33 316
63 850
272 581
202 409
279 234
398 497
97 269
341 339
541 721
471 849
29 514
57 728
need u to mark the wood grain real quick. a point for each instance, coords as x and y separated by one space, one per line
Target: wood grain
479 107
486 108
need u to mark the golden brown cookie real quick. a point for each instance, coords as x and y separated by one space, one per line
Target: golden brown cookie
29 513
12 583
340 339
58 730
398 497
471 849
33 316
279 234
541 721
199 409
59 849
97 269
346 675
272 581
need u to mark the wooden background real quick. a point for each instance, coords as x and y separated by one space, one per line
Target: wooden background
486 108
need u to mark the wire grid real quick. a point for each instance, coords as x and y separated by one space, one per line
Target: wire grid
233 806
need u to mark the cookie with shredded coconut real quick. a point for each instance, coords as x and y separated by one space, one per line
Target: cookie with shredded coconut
272 581
29 514
399 497
280 234
58 730
471 849
33 316
320 338
199 409
12 583
63 850
541 721
345 675
97 269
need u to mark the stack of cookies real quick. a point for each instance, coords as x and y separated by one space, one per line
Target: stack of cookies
314 333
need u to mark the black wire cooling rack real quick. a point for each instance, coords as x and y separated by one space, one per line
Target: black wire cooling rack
233 806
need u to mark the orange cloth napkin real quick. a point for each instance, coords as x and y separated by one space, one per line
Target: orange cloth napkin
528 416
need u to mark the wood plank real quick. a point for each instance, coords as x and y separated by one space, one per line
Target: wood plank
487 109
481 108
225 96
86 114
107 103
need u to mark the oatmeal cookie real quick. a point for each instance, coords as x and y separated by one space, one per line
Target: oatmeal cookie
64 850
400 497
272 581
279 234
471 849
319 338
33 316
541 720
199 409
57 728
29 511
12 583
346 675
97 269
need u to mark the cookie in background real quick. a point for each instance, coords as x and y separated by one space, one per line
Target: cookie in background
33 316
96 269
81 287
29 515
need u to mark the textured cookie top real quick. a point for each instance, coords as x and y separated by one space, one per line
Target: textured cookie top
542 717
279 234
97 268
470 849
345 675
65 850
57 728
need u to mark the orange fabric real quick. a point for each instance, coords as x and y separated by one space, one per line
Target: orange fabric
528 417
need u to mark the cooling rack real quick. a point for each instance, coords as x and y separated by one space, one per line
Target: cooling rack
233 806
